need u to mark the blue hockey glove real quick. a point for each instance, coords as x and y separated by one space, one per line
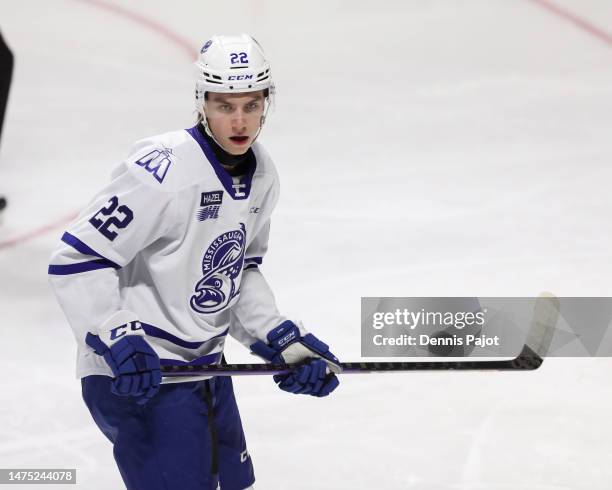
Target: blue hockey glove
316 376
134 363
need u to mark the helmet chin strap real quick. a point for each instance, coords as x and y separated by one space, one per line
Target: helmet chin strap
204 123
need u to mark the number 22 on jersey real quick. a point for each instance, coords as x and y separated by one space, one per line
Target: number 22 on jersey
116 216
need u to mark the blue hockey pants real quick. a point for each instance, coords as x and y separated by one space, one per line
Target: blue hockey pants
188 436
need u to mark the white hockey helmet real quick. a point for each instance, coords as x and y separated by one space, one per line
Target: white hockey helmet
231 64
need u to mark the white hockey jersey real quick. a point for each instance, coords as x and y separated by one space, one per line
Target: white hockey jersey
173 242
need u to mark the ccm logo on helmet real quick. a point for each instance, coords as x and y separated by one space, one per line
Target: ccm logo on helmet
240 77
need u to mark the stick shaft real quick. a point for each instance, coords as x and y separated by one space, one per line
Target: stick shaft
545 315
526 361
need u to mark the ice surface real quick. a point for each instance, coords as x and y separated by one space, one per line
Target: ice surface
424 147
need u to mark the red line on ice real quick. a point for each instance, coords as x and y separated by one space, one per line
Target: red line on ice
180 42
37 232
174 38
579 22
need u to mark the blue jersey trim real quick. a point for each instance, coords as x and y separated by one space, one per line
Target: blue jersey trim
207 359
82 247
91 265
252 263
222 175
162 334
64 270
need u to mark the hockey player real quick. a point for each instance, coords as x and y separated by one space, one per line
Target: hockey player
163 264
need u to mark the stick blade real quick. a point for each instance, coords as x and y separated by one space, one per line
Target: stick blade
542 328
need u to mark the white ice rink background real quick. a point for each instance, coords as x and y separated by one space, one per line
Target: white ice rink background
425 148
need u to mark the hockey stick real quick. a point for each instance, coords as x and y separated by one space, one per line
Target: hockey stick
545 314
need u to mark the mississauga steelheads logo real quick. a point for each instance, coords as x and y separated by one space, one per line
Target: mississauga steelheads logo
221 266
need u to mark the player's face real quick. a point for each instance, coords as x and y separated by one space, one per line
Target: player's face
234 119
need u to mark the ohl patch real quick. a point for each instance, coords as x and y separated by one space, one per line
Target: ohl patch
210 203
